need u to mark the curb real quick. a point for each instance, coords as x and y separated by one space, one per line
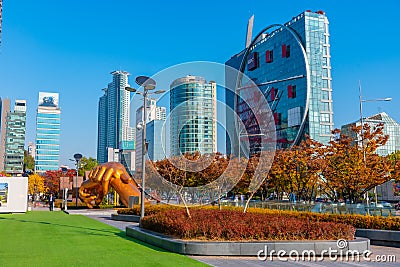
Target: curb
217 248
381 237
126 218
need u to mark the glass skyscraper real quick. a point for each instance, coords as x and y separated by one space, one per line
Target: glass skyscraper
15 139
114 131
48 129
193 124
153 113
276 64
102 129
154 136
4 109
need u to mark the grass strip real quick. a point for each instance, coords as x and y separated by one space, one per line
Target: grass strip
41 238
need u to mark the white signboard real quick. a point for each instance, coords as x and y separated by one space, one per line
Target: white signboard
48 99
13 194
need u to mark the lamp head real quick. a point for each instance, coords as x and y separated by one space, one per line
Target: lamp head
77 156
149 86
147 82
130 89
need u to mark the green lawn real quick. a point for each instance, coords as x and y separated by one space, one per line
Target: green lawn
56 239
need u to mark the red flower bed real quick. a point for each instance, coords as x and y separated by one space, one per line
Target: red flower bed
235 225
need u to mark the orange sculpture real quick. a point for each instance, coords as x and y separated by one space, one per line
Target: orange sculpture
101 178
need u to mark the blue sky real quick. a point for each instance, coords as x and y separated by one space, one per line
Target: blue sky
71 46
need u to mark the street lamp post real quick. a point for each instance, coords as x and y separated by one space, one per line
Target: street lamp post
148 84
77 157
362 129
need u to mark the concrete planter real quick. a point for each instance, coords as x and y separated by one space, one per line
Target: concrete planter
126 218
210 248
381 237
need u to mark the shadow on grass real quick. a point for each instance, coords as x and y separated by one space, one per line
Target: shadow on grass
62 225
123 235
120 233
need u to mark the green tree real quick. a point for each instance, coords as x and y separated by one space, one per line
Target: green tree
87 164
29 161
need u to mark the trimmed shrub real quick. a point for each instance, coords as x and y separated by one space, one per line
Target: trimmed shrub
356 220
149 209
235 226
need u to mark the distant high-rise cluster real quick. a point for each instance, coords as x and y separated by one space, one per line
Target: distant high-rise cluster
114 133
13 127
154 121
48 129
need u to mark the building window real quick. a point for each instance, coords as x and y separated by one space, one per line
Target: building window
274 94
285 51
269 56
252 61
325 117
291 91
278 118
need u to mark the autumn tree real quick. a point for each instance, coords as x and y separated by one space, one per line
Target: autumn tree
296 170
195 175
52 180
35 184
394 160
351 169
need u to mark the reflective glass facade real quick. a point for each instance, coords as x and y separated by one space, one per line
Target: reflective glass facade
193 116
152 113
101 130
114 116
4 110
15 139
277 65
154 138
48 130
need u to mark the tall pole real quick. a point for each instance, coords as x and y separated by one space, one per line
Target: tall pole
362 132
77 157
142 194
76 182
362 135
361 121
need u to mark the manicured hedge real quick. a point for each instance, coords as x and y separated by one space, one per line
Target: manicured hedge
235 225
358 221
149 209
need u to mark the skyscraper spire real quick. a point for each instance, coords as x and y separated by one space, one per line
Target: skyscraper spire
249 33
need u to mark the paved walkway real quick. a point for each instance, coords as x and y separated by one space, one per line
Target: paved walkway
379 253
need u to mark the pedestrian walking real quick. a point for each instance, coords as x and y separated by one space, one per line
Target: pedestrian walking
51 202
